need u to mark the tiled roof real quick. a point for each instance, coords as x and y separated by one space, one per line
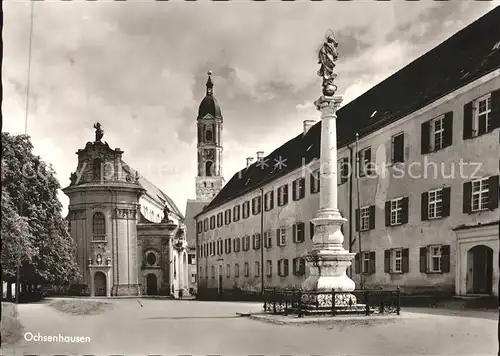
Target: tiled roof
461 59
155 193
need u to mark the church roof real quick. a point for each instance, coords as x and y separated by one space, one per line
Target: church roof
466 56
155 193
209 104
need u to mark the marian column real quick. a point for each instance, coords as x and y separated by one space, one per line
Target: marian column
328 259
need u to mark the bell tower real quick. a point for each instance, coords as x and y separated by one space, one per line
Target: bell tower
209 180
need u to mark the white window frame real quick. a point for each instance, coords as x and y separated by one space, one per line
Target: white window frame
435 204
269 268
364 218
435 134
365 262
397 256
486 112
480 189
434 255
282 237
396 211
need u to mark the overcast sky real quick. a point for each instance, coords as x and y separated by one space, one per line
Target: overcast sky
139 68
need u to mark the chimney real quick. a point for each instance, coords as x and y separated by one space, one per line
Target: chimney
308 124
260 155
249 161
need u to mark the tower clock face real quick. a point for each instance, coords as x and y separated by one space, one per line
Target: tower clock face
209 154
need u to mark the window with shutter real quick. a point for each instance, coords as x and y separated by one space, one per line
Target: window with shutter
236 270
479 194
364 218
493 183
448 129
423 259
387 261
468 128
398 148
397 260
495 109
372 263
406 260
343 170
372 217
467 197
425 137
364 162
435 204
269 268
445 201
445 258
397 212
434 260
387 211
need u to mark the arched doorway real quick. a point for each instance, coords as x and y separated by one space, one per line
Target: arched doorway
99 284
208 169
480 270
151 284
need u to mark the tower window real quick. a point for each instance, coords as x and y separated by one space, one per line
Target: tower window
208 169
208 135
98 227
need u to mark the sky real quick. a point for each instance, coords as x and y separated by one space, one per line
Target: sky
139 68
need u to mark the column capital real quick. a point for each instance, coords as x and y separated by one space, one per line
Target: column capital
328 104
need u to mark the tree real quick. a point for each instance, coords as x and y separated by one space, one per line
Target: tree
31 194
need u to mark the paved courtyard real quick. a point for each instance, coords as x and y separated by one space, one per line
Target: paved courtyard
169 327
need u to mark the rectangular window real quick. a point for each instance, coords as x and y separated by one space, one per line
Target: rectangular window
364 218
213 271
205 224
298 232
228 270
397 148
343 170
220 220
269 268
212 222
213 248
435 258
437 133
228 245
237 243
257 269
236 213
236 270
246 209
283 267
482 109
246 243
269 201
199 227
480 194
315 179
299 266
298 189
397 211
435 203
247 269
283 195
365 162
268 242
397 260
281 238
256 205
365 262
191 259
256 241
227 217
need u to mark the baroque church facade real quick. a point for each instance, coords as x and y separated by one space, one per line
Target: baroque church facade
209 180
130 236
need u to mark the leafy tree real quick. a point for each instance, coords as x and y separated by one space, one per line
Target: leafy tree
31 193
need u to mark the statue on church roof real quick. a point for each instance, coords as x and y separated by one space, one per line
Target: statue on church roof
166 214
99 132
327 56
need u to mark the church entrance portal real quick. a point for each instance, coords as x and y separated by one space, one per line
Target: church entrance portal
151 284
99 284
481 269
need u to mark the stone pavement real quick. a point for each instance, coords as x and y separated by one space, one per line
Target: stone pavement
170 327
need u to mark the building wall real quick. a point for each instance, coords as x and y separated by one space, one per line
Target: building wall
374 191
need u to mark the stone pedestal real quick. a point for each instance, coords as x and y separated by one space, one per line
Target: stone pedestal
328 260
